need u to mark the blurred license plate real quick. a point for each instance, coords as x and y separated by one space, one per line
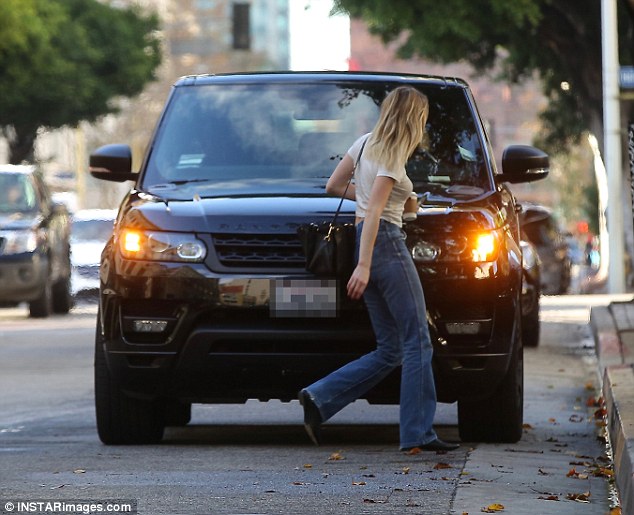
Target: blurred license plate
300 298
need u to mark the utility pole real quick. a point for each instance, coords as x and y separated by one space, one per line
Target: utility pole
612 146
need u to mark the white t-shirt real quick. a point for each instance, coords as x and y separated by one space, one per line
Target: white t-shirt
364 177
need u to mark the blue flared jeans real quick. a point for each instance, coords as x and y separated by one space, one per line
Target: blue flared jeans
396 305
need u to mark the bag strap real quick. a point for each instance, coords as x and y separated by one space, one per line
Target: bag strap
334 219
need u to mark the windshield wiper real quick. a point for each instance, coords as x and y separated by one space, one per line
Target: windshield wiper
178 183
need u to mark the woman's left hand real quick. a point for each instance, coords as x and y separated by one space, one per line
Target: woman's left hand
358 282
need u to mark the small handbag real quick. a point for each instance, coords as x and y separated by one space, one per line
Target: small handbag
329 246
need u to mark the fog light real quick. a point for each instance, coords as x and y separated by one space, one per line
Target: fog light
149 326
463 327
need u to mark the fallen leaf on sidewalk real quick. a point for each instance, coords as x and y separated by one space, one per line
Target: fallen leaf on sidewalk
493 508
336 456
584 497
439 466
549 498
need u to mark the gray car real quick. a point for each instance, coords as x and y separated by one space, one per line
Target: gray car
540 227
34 243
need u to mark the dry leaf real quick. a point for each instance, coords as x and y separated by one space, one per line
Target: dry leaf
79 471
603 472
615 511
493 508
335 456
584 497
527 426
549 498
405 470
414 450
439 466
359 483
308 466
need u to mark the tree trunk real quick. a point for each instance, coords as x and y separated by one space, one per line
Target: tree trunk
21 144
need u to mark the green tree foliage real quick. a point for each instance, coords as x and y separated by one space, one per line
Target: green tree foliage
66 61
560 40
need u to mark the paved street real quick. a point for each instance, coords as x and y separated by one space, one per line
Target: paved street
255 458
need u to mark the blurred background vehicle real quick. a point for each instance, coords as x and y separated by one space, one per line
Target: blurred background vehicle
34 243
540 228
531 292
91 229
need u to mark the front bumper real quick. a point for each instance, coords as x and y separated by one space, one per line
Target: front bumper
218 342
22 276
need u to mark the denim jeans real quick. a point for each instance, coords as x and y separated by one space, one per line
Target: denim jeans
396 305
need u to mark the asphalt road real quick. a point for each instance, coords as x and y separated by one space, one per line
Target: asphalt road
255 458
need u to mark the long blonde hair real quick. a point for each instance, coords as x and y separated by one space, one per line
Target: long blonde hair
400 128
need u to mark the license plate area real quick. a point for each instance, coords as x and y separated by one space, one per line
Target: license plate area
304 298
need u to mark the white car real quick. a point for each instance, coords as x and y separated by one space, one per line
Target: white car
91 229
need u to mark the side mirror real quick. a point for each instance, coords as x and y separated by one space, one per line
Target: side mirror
523 163
112 163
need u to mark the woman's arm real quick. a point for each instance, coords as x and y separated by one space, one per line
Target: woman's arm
336 185
379 195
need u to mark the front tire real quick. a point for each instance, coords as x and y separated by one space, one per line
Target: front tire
500 417
121 419
42 306
62 299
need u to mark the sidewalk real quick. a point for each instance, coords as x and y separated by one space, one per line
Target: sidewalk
613 330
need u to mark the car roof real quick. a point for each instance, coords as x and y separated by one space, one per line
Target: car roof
319 76
21 169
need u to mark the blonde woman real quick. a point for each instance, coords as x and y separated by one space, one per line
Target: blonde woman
386 278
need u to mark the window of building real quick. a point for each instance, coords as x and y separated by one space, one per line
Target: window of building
241 26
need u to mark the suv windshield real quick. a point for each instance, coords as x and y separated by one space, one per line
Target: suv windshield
281 132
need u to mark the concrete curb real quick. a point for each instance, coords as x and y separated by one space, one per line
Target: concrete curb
613 330
618 392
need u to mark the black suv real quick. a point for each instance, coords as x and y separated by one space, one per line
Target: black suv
204 296
34 243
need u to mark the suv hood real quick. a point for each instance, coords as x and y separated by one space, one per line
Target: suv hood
241 212
18 221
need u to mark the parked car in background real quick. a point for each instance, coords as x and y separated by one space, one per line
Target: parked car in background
531 293
34 243
90 230
204 294
540 227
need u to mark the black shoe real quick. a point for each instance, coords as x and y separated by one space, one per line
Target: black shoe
435 445
312 417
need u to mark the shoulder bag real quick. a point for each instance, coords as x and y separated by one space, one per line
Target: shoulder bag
329 246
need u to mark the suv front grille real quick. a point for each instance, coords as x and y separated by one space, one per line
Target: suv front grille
259 250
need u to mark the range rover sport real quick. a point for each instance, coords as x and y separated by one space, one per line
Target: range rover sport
204 297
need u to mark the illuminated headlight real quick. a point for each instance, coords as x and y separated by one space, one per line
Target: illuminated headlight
485 247
425 252
161 246
18 242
